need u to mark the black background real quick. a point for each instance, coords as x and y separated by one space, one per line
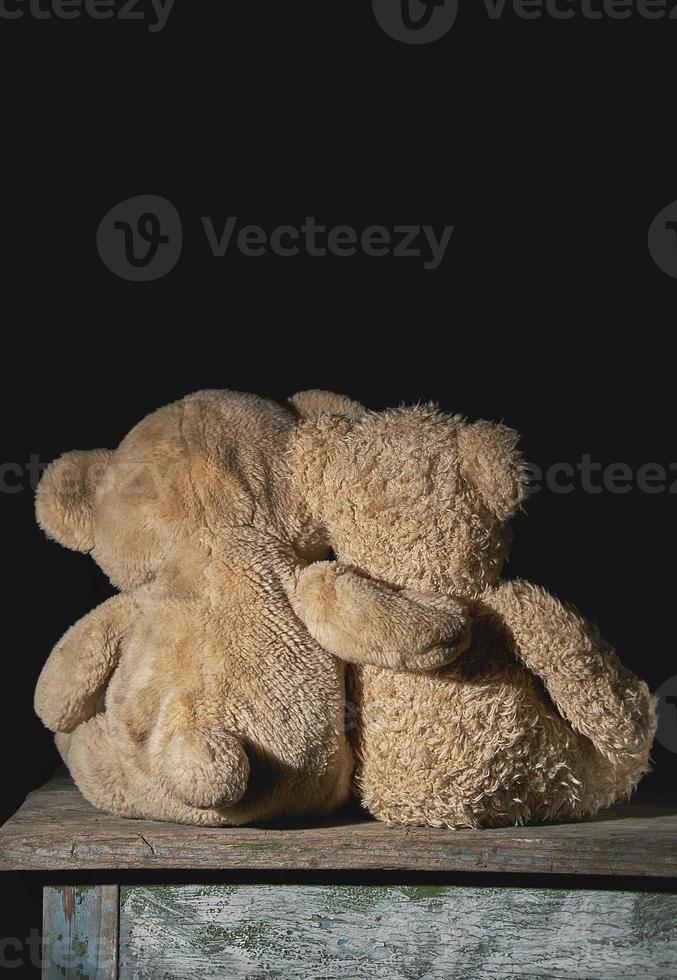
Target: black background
548 145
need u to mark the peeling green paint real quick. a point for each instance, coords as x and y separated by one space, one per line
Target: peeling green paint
80 940
286 932
79 947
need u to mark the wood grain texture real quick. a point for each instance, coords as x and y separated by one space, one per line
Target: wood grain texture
396 933
80 932
57 830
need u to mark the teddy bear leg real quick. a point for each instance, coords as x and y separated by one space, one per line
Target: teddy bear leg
62 741
206 767
91 756
408 801
120 781
605 781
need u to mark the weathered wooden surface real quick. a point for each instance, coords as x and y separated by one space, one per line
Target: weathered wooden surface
396 933
57 830
80 932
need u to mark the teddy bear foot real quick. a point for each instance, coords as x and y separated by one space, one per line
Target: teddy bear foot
206 768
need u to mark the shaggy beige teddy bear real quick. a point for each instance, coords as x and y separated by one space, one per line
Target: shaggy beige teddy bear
196 695
535 718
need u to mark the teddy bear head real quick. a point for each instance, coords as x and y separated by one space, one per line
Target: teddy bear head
188 466
413 496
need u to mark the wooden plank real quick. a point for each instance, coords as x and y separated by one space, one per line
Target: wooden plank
396 933
80 932
57 830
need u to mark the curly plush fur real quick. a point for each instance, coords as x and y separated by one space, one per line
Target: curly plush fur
535 718
196 694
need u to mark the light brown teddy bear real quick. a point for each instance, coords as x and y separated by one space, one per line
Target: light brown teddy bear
536 719
196 695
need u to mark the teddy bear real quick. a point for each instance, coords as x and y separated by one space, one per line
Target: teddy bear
196 694
534 718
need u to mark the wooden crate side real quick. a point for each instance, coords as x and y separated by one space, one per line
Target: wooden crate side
293 932
80 932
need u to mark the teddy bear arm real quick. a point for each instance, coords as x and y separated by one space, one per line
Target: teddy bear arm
599 697
78 668
364 621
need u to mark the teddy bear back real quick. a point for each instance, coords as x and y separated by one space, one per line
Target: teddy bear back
219 705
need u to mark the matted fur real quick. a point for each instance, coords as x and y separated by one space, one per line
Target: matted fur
535 718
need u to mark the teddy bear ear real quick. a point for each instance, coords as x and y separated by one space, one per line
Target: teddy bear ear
308 404
490 461
317 440
64 501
